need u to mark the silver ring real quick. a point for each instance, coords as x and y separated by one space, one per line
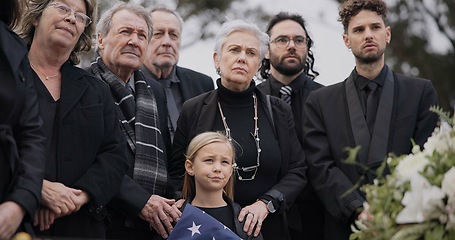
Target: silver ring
251 213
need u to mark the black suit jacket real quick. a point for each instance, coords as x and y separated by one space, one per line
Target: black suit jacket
306 217
328 130
22 153
193 83
91 148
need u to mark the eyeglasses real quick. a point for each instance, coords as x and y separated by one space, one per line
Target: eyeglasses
65 10
283 41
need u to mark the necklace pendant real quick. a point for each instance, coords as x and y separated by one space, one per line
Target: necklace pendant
47 78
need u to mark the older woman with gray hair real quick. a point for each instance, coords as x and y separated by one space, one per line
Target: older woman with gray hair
271 168
85 150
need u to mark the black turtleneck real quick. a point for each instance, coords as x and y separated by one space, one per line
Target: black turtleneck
238 108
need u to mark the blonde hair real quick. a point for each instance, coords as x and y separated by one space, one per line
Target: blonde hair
34 11
198 142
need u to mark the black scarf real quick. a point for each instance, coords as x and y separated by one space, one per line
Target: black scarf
140 124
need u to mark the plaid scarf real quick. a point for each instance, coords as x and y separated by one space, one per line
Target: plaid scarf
140 114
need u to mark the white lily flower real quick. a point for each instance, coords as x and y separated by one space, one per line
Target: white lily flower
422 203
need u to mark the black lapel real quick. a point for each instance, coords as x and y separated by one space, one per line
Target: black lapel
379 140
208 112
374 148
185 87
358 123
73 88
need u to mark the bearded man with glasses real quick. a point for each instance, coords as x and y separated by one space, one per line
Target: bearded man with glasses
288 72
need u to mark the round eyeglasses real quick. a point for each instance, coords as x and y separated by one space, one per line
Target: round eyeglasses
65 10
283 41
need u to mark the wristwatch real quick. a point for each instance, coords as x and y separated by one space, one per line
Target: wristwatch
269 205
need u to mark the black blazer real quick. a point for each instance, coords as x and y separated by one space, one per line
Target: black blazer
328 130
22 153
197 116
91 149
307 207
193 83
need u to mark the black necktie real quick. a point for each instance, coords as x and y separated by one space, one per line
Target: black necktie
372 104
171 105
286 92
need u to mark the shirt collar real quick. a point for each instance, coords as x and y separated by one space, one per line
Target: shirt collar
296 84
361 81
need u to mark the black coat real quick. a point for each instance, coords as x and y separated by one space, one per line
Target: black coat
306 216
125 207
91 150
193 83
329 129
198 116
22 153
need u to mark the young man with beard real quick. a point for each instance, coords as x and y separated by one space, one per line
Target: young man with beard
288 70
374 108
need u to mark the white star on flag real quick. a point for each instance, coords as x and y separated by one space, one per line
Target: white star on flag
194 229
207 227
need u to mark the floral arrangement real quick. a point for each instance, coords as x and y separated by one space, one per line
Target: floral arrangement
417 199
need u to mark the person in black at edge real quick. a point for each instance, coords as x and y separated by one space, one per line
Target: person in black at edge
22 154
85 161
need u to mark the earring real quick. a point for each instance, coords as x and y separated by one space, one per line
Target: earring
218 71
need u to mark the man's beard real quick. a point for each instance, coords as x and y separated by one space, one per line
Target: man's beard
370 58
288 69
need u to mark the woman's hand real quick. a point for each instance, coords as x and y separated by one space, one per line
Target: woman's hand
253 215
44 218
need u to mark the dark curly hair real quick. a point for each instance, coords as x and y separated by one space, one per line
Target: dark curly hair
309 64
350 8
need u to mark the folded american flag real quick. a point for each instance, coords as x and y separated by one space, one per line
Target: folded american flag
196 224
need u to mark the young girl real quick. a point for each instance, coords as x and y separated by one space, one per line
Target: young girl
208 182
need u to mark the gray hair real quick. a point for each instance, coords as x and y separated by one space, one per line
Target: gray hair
104 25
168 10
241 26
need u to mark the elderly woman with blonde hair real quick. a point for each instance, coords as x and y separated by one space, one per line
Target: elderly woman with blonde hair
86 159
